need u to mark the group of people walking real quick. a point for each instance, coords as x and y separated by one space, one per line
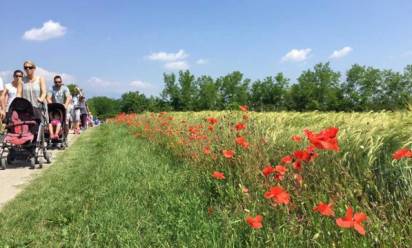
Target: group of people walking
33 88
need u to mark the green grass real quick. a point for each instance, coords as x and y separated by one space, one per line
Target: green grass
110 190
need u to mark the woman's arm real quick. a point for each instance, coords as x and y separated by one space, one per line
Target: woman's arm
3 100
43 90
19 88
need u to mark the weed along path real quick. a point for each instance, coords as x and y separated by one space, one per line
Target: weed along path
113 190
15 178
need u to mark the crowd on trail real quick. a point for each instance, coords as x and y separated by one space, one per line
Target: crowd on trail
37 118
34 88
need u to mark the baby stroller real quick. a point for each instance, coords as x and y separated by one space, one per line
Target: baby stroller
57 111
23 140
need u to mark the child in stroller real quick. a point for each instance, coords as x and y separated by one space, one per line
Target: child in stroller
55 124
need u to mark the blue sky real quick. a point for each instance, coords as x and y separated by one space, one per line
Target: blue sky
109 47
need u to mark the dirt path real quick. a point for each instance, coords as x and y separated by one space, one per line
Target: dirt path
13 180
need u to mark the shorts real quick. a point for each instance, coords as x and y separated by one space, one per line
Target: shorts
76 115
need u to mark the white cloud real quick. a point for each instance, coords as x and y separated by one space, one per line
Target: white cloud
337 54
201 61
49 30
407 54
177 65
99 83
145 87
297 55
168 57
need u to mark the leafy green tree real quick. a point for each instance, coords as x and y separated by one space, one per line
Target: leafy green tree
188 90
208 97
233 89
317 89
171 91
269 94
133 102
103 107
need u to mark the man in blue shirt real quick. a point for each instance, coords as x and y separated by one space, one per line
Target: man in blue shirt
59 93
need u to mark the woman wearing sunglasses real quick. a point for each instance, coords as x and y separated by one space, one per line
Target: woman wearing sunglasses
33 88
10 91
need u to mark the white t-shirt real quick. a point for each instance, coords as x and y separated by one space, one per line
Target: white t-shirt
11 93
1 84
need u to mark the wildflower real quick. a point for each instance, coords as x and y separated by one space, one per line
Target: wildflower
297 165
296 138
353 221
402 153
228 153
278 194
287 159
244 108
280 172
218 175
255 222
268 170
324 209
212 120
242 142
325 139
240 126
207 150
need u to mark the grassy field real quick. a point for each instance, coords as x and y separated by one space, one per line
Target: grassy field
147 183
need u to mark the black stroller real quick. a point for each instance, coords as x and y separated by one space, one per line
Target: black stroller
59 111
23 140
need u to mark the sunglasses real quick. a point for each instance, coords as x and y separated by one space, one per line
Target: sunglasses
18 76
58 82
29 67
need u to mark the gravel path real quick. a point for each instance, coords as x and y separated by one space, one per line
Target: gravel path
13 179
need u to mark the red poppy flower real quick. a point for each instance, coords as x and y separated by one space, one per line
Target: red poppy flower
255 222
211 128
207 150
278 194
287 159
353 221
242 142
228 153
268 170
297 165
244 108
240 126
212 120
280 172
325 139
301 155
402 153
218 175
324 209
296 138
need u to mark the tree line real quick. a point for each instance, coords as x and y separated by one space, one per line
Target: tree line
321 88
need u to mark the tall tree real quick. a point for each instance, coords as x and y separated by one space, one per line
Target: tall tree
208 97
317 89
188 90
233 89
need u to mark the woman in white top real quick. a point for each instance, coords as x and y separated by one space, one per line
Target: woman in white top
10 91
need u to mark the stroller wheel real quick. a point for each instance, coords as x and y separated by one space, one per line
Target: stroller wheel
32 163
3 163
